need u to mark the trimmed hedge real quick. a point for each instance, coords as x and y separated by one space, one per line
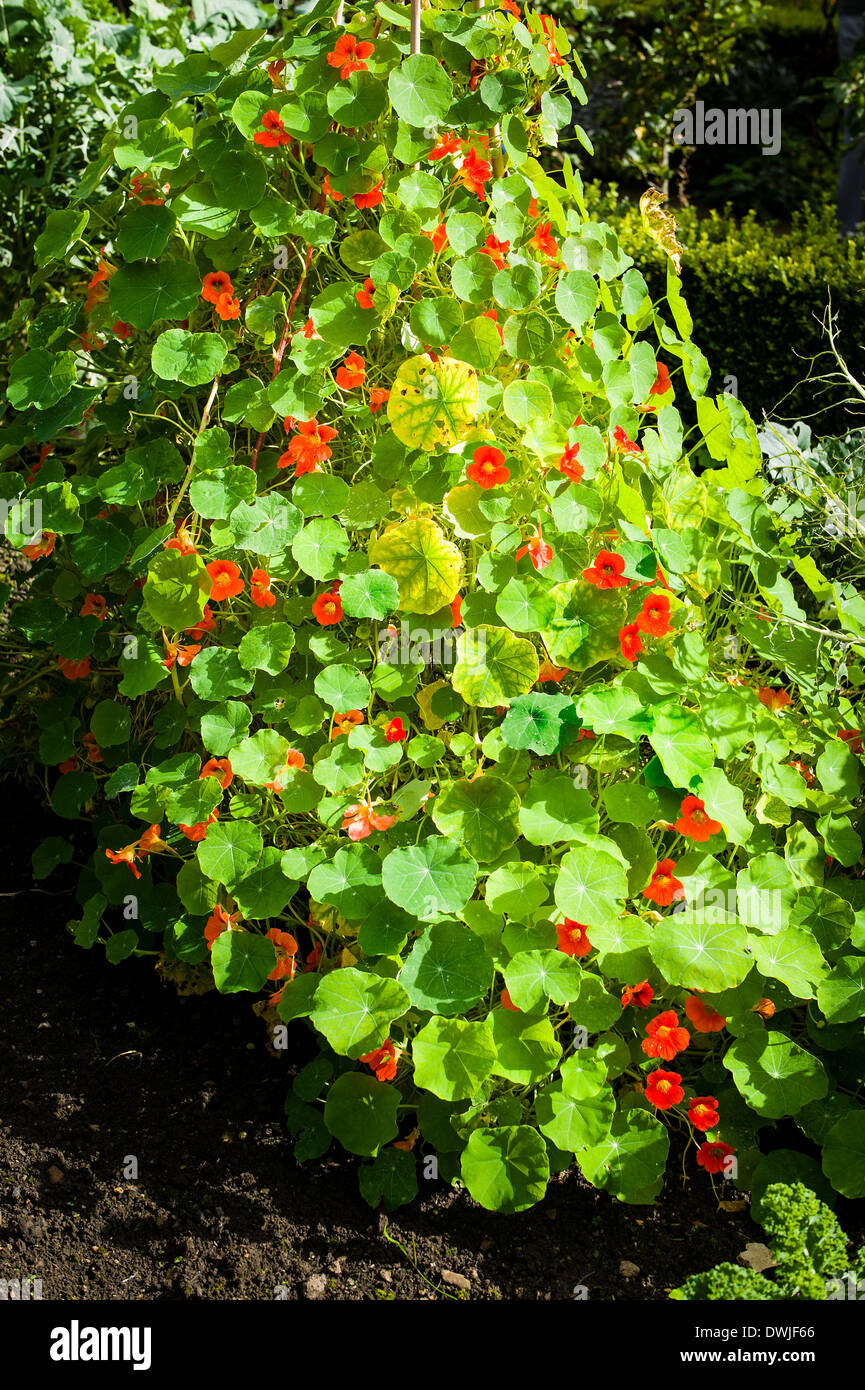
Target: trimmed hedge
761 294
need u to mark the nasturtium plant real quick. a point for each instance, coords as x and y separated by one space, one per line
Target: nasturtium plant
408 627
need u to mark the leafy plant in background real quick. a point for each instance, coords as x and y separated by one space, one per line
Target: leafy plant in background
66 68
415 672
809 1247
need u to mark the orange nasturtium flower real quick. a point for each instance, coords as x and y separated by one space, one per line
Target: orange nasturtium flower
395 732
364 296
308 447
94 752
227 307
227 580
446 145
198 832
42 547
568 464
219 921
351 373
654 617
378 398
370 199
714 1157
507 1002
665 1037
274 132
704 1018
344 723
382 1061
640 995
218 767
327 608
94 605
607 572
572 938
774 700
360 820
543 241
496 250
473 173
184 653
286 950
488 468
630 642
74 670
147 843
664 1089
694 820
663 888
548 672
438 236
350 56
538 550
214 284
259 589
703 1112
510 7
626 445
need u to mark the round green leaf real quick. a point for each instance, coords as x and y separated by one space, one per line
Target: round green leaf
453 1057
506 1169
844 1155
420 90
526 1046
146 291
481 814
447 969
591 886
429 879
702 948
775 1075
229 851
193 358
426 566
361 1112
241 960
354 1010
493 666
432 404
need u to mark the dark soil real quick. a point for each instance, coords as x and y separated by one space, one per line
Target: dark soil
105 1064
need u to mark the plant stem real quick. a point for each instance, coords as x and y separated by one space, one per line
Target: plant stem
204 419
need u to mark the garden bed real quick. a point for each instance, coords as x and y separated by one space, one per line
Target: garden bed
220 1210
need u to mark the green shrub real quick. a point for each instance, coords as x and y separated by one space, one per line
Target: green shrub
761 296
807 1242
335 385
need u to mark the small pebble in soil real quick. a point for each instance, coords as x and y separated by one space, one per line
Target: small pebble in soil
459 1281
628 1269
315 1286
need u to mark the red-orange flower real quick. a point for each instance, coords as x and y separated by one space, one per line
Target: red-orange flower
542 241
447 144
198 832
74 670
572 938
42 547
630 642
853 739
274 132
327 608
364 296
220 768
217 282
349 56
507 1002
664 1089
663 888
343 723
473 173
182 653
94 605
91 747
661 385
378 398
714 1157
654 617
308 447
205 624
607 572
626 445
664 1036
382 1061
360 820
226 580
774 700
259 589
703 1112
370 199
538 550
549 672
496 250
351 373
227 307
695 822
286 950
488 468
704 1018
394 732
640 995
331 192
438 236
510 7
218 922
568 464
126 855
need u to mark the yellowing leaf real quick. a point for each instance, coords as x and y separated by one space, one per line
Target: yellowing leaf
661 226
425 564
432 404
